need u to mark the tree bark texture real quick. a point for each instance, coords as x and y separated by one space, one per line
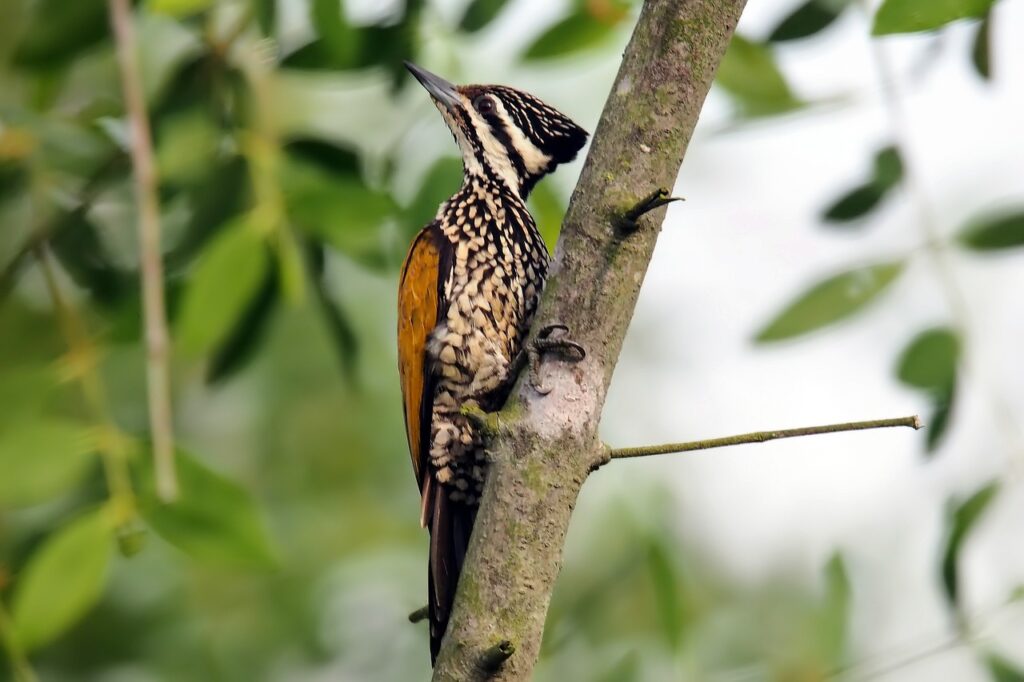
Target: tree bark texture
542 447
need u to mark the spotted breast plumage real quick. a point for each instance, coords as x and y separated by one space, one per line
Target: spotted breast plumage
468 291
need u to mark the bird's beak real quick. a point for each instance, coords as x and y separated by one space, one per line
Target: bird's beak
440 89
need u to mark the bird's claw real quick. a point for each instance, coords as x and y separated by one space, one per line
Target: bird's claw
551 339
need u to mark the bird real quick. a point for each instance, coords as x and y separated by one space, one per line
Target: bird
468 291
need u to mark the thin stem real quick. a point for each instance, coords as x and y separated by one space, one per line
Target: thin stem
913 422
150 263
81 364
21 669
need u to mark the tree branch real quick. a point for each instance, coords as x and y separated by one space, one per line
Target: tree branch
913 422
158 379
548 443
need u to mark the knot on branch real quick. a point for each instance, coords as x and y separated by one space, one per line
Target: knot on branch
603 455
627 224
493 658
487 424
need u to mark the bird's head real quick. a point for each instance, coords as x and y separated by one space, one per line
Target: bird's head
505 134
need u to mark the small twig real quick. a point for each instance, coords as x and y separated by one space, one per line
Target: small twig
81 362
627 222
157 339
494 657
420 614
913 422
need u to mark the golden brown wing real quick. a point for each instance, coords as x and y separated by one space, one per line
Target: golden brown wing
419 307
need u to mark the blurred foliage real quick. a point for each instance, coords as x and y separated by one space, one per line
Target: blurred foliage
1003 670
749 73
963 516
831 300
863 199
906 16
929 363
995 232
293 552
808 19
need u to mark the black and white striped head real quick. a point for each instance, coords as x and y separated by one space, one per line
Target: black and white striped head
504 134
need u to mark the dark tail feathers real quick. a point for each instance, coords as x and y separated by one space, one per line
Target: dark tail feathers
450 526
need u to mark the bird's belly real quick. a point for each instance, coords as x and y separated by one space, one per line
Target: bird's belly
472 351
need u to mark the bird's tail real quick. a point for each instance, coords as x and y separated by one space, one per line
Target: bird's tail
450 526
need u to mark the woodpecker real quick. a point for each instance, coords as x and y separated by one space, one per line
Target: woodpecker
468 291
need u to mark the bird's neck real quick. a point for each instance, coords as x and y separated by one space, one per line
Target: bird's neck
497 186
483 164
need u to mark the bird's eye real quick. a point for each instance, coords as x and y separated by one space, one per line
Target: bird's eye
484 104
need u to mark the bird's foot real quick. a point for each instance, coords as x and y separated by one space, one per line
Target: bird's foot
551 339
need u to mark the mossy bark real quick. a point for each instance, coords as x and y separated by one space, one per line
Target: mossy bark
543 446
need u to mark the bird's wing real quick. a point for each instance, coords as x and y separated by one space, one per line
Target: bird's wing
421 306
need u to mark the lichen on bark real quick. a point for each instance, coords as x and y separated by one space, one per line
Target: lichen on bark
547 444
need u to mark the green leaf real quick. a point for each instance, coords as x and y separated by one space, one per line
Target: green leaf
343 334
81 150
907 16
41 457
938 423
441 181
1002 669
187 146
855 204
575 33
226 277
836 610
58 31
480 13
81 251
338 38
216 204
339 209
807 19
830 301
63 580
929 361
888 167
265 12
214 520
23 391
858 202
327 155
548 209
992 233
179 8
981 48
246 337
964 517
671 612
749 74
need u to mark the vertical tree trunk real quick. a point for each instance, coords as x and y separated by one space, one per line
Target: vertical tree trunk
543 447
